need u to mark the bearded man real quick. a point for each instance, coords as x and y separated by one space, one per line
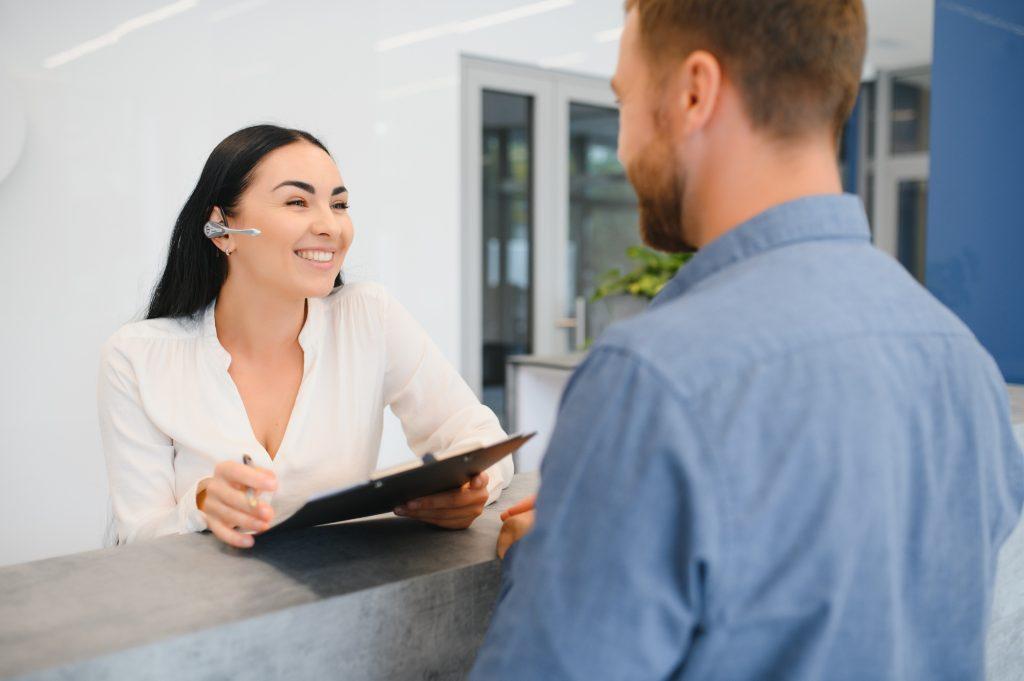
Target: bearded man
797 463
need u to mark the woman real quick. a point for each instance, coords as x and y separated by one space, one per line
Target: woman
253 346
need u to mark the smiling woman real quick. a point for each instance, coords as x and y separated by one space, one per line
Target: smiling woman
252 346
195 272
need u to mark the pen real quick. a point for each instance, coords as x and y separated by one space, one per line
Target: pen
250 493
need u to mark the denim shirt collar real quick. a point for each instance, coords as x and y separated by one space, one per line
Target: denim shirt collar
811 218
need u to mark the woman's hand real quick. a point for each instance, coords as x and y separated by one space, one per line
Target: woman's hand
223 500
454 510
518 521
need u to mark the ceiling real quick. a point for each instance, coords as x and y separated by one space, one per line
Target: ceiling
576 35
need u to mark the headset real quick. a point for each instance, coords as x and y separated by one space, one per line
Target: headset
214 229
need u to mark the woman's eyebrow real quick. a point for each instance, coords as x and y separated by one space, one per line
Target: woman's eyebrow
307 187
304 186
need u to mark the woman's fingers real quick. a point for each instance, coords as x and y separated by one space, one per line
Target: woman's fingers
467 495
519 507
228 535
227 505
260 479
458 518
234 518
237 499
455 509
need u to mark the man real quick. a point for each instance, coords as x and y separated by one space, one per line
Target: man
797 464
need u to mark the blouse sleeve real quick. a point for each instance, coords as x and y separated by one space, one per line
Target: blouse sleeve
140 459
437 409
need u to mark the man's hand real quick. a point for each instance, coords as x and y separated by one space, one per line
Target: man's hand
454 510
518 521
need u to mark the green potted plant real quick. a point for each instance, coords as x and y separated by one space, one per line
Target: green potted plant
627 294
652 272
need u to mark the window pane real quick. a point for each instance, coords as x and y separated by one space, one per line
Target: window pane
507 230
911 113
602 208
912 207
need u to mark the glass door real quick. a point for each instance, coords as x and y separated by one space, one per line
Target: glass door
546 211
507 228
507 172
600 209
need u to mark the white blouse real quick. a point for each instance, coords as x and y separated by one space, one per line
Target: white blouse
169 411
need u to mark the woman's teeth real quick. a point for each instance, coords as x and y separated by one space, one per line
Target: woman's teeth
317 256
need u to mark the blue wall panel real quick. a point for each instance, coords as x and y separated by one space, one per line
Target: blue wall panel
975 250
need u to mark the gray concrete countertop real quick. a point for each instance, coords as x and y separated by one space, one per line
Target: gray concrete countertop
386 598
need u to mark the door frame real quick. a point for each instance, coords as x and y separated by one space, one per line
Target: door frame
551 91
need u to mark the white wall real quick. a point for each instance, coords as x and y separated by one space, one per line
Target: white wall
116 139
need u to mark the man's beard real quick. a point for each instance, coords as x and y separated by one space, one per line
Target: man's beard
659 186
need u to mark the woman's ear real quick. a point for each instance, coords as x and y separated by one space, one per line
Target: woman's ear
225 243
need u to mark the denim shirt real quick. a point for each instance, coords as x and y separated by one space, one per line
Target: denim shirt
796 464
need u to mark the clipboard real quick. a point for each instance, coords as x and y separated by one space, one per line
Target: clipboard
393 487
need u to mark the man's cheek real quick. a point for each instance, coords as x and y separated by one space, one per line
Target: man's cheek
634 130
626 142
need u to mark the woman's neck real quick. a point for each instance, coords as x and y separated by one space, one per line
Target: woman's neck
253 323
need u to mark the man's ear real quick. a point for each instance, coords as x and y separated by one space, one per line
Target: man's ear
700 82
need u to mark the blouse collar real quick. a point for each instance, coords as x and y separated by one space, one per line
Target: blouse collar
309 336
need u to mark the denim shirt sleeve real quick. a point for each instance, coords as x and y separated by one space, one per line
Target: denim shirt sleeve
610 582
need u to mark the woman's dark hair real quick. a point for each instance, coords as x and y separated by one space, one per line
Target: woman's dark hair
195 268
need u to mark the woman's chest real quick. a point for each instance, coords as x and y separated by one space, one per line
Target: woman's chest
331 409
268 390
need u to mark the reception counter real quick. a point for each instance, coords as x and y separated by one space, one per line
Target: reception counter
383 598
